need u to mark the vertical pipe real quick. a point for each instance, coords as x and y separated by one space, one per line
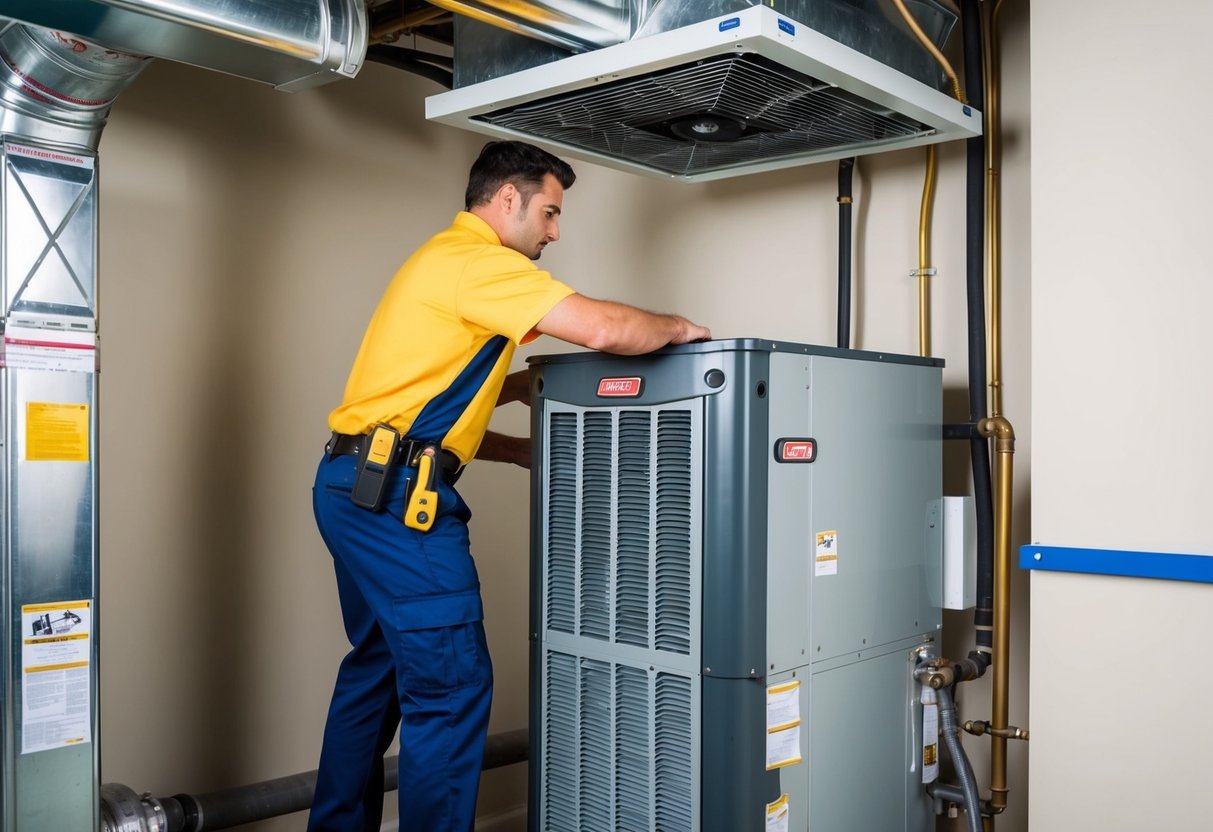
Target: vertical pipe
1004 436
846 167
975 234
924 256
992 114
999 428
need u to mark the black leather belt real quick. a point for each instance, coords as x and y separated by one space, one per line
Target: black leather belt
407 450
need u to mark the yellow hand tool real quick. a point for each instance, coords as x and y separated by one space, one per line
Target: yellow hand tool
422 504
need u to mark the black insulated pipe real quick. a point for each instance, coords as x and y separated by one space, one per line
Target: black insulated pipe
437 68
983 498
846 167
260 801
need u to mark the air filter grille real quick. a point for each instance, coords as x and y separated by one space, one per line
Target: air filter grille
620 505
619 751
769 111
621 566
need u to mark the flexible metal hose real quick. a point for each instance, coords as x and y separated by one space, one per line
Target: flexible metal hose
964 770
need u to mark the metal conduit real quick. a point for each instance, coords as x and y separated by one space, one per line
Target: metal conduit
846 170
123 810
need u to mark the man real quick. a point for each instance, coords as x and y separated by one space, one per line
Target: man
431 368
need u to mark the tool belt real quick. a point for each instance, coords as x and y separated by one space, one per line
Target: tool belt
407 452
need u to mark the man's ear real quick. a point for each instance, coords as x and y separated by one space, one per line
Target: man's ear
509 197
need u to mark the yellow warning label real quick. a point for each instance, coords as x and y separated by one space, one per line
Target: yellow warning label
54 606
46 667
56 432
929 754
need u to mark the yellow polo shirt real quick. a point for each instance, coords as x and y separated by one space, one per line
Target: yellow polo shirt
439 345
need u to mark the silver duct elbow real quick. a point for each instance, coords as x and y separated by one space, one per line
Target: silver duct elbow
58 87
289 44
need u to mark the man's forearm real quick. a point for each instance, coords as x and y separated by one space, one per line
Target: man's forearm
616 327
497 447
516 388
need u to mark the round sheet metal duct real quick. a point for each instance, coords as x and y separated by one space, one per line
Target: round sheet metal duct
58 87
290 44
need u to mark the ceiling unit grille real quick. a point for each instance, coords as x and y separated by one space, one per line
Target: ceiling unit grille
736 94
774 112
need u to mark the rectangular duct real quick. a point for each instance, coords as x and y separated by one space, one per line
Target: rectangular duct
575 25
752 520
48 487
289 44
748 91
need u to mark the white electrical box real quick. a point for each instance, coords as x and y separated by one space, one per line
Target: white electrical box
959 554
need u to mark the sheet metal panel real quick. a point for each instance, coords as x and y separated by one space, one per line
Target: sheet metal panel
48 486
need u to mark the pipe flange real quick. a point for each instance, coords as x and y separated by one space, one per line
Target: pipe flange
123 810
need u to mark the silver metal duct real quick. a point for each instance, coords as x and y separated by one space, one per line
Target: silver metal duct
577 25
57 87
290 44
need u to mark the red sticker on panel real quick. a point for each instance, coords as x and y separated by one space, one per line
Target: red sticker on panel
796 450
622 387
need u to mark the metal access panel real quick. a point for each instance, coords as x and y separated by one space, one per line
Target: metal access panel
735 564
48 487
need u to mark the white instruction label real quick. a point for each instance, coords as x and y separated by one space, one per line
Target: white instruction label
56 691
33 348
826 553
783 725
930 742
783 705
777 815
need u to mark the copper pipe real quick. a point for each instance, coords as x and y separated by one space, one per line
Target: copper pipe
1000 430
1011 732
390 30
997 426
924 256
928 190
992 116
957 91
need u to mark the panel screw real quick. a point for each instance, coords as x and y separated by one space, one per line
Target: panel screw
1037 556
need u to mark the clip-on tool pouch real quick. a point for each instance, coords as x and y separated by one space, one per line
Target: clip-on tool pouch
375 461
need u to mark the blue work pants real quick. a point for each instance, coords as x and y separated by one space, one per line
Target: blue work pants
411 606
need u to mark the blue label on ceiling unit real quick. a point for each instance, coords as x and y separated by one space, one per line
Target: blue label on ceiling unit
731 23
787 26
967 111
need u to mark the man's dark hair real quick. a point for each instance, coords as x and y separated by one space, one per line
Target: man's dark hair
518 162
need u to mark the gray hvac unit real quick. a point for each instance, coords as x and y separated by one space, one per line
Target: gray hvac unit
735 568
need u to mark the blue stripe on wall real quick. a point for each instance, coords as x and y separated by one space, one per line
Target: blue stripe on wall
1164 565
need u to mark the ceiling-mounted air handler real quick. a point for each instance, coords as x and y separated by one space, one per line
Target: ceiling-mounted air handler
751 89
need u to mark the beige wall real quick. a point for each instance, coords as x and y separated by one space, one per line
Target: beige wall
1120 335
246 235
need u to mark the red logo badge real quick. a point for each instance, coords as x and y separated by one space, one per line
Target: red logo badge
796 450
620 387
